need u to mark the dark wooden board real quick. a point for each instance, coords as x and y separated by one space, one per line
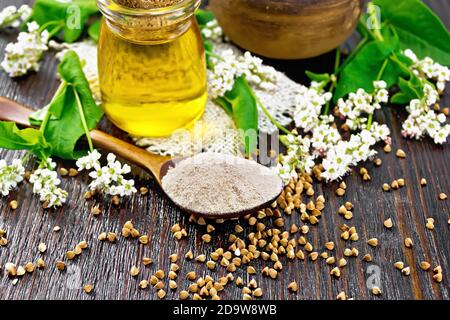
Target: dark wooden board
106 266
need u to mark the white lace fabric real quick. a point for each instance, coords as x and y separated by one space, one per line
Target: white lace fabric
215 130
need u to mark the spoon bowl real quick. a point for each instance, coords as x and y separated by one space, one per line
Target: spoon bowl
157 165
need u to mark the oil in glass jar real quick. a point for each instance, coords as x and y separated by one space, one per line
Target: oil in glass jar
152 65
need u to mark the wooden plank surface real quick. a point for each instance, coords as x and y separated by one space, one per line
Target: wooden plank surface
106 266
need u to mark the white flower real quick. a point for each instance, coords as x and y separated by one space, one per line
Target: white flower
382 96
410 54
423 121
430 70
230 66
380 132
441 136
285 172
380 84
128 188
308 107
25 54
45 183
337 162
212 31
107 179
13 17
88 162
10 175
296 158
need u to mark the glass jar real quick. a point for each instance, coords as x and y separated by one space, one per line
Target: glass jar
152 66
288 29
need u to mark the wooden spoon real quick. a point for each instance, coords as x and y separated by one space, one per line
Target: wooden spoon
156 164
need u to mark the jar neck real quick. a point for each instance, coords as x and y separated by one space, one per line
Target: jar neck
149 26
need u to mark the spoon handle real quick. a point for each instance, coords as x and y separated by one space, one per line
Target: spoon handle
127 151
14 112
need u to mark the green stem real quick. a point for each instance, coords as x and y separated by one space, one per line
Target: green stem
10 20
269 116
213 55
326 110
395 59
25 157
375 22
383 68
51 23
352 55
379 76
83 120
44 123
55 31
337 62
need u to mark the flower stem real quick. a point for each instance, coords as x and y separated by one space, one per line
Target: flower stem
83 119
379 76
55 31
376 27
51 23
213 55
44 123
10 19
269 116
383 68
350 57
25 157
337 62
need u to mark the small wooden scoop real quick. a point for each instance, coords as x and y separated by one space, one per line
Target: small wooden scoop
156 164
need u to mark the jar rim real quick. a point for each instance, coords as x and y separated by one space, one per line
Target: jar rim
183 5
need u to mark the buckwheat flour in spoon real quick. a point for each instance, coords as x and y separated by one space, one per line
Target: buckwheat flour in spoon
217 184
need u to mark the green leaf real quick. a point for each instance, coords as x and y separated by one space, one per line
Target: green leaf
65 125
13 138
38 116
94 30
418 28
241 104
204 16
363 69
71 15
400 98
318 77
409 90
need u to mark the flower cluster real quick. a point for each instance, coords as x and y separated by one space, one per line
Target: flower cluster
362 103
429 69
231 66
25 54
12 16
45 183
212 31
309 104
345 154
323 141
108 179
297 157
10 175
324 137
424 121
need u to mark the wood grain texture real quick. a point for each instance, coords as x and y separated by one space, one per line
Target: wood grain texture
106 266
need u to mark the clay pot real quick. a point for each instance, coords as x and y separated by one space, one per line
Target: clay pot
287 29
